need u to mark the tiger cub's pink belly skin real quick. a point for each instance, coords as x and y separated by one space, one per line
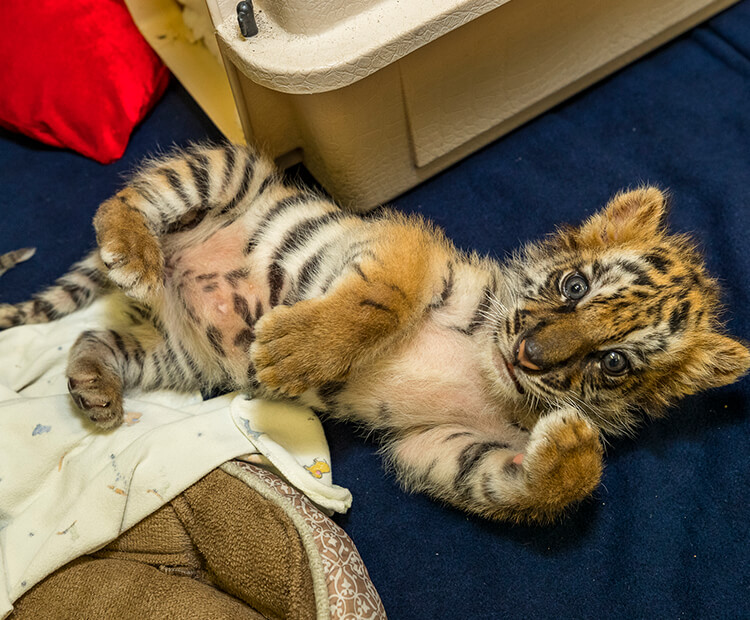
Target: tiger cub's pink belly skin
439 376
215 286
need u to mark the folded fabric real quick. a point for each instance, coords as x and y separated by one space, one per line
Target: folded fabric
67 488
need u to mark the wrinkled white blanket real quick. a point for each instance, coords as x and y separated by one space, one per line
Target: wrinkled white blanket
67 489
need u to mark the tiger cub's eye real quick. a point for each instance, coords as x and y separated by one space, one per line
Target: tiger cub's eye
614 363
574 286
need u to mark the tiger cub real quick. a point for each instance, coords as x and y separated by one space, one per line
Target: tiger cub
489 383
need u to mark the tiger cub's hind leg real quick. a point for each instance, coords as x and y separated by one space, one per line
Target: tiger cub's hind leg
128 248
103 364
94 377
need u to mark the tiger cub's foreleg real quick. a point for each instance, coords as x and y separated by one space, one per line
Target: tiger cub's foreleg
488 475
379 297
102 364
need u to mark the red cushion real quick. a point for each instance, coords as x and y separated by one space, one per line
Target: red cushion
76 74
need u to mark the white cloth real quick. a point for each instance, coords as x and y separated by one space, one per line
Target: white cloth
67 489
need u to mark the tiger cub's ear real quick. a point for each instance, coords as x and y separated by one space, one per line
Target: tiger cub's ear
630 216
716 360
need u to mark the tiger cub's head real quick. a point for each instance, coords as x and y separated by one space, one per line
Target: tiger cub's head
613 317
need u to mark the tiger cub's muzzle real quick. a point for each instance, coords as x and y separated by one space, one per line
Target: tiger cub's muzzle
550 345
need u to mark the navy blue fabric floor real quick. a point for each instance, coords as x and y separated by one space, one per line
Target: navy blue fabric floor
668 533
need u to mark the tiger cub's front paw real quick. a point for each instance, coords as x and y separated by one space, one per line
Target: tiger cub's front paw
97 391
562 465
133 257
295 349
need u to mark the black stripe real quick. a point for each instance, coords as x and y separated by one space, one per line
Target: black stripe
235 275
152 198
173 365
175 183
557 382
199 169
303 231
188 310
470 457
355 250
378 306
517 321
266 183
678 317
552 281
276 276
41 306
191 364
188 221
273 213
139 355
479 314
329 282
241 307
291 242
167 372
229 159
120 344
247 177
157 371
384 413
619 335
642 278
207 276
308 271
658 262
457 435
214 337
329 391
78 294
96 276
358 268
447 288
145 313
566 308
252 381
397 289
244 339
126 203
18 318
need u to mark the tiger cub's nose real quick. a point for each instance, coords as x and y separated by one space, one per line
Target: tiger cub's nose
529 354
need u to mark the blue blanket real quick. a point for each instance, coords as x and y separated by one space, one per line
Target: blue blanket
667 535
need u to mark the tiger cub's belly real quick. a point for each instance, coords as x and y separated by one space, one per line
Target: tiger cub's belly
438 377
213 284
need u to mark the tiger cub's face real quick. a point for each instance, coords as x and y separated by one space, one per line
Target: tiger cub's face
612 317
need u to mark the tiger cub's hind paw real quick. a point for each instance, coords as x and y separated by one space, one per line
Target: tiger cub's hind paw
130 252
97 391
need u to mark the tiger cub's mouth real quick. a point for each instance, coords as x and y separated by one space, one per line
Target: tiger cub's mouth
501 362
